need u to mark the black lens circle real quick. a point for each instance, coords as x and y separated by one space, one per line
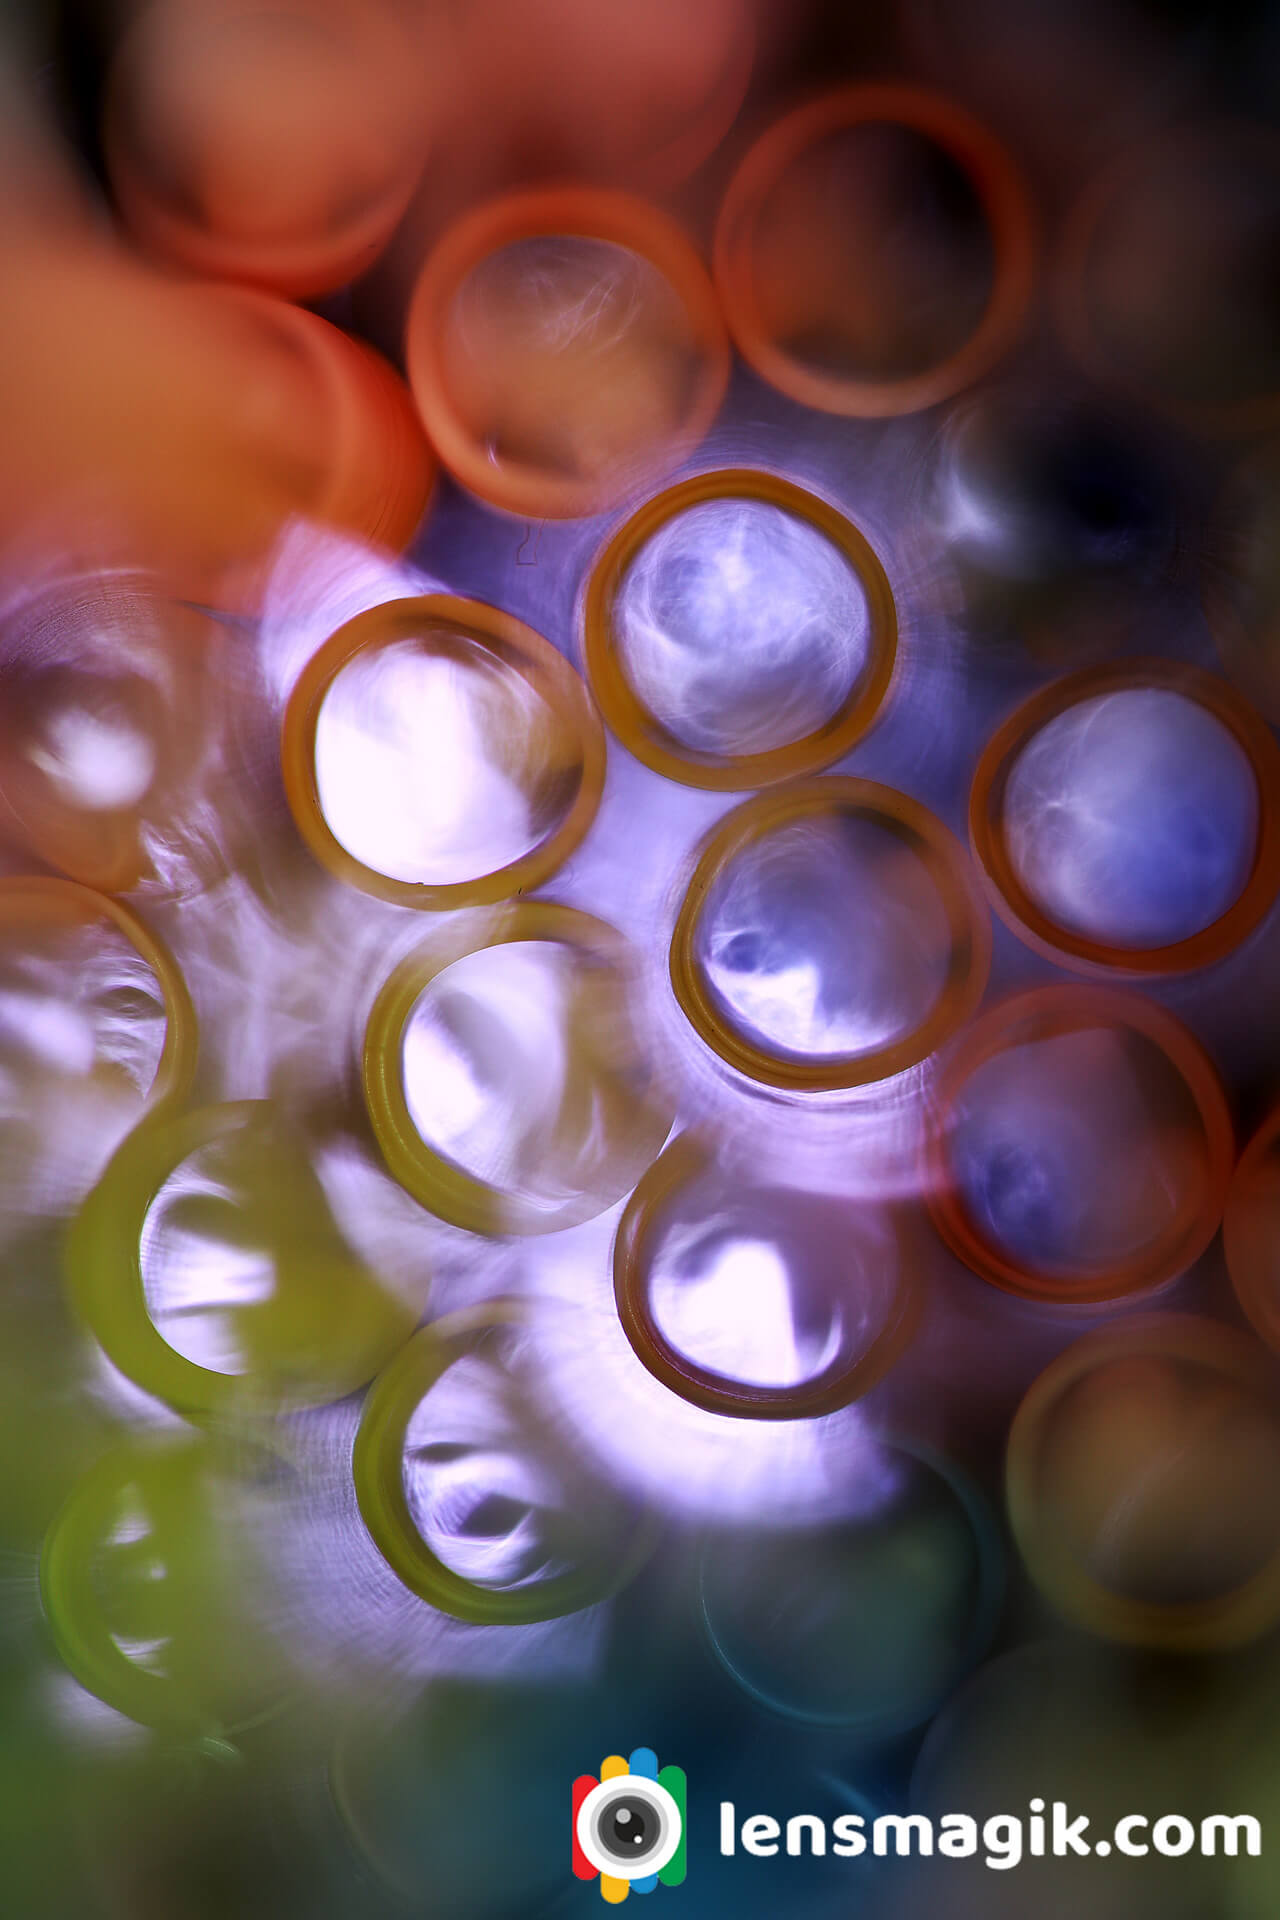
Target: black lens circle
628 1828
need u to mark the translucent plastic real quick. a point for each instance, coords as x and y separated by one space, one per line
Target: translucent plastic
1140 1471
739 631
507 1074
867 1624
759 1300
275 144
828 245
1133 818
1080 1146
564 347
828 938
439 753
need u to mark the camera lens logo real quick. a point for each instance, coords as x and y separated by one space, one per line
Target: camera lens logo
628 1825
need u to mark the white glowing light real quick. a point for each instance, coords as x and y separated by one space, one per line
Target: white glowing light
75 1001
682 1458
968 519
88 1720
57 1037
82 1029
485 1057
479 1514
95 762
479 1488
198 1283
132 1522
149 1653
427 766
736 1317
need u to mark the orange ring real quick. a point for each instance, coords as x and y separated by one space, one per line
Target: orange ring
536 118
521 651
845 1379
642 733
924 834
670 165
299 269
26 897
1010 898
587 213
1004 200
1229 1619
1041 1013
1076 325
1250 1236
379 472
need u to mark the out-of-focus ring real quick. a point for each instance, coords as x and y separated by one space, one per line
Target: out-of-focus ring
1250 1243
587 213
24 898
1071 285
990 1554
378 1469
1005 202
1226 1620
1042 1013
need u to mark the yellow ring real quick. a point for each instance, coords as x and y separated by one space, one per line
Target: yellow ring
642 733
377 1467
104 1266
521 651
948 866
436 1182
1229 1619
24 898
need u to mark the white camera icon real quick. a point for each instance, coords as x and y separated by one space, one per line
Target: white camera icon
629 1827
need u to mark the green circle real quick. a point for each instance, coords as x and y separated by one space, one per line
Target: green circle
378 1469
330 1338
171 1474
978 1517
